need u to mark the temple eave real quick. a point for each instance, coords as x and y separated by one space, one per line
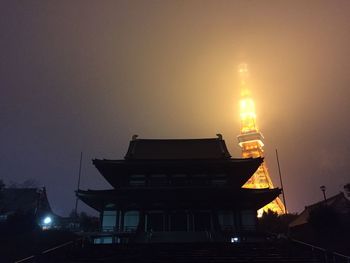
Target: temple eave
115 170
178 198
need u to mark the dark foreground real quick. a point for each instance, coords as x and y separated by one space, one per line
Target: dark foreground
15 246
278 251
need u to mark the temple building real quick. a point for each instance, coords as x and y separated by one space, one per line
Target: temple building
177 190
251 142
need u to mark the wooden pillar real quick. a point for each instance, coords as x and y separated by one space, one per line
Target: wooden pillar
166 220
117 215
238 220
215 221
101 220
188 221
145 226
122 213
141 225
191 221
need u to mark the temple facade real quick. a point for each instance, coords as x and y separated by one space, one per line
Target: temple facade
177 190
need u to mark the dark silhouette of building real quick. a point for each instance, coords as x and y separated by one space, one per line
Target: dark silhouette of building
177 190
325 224
25 203
338 203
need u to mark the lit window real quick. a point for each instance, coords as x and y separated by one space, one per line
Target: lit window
109 220
131 220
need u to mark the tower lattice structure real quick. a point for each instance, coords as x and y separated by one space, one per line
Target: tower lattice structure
251 142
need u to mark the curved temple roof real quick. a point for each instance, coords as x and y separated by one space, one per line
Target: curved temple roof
205 197
238 170
160 149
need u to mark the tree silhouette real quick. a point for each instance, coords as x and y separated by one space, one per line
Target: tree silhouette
86 222
28 183
271 222
2 184
347 189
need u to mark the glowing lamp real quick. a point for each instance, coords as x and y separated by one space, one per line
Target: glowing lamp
234 239
47 220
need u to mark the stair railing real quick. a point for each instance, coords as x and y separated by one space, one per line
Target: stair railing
39 257
329 257
338 255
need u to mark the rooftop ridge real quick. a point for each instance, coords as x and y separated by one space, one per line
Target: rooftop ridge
165 149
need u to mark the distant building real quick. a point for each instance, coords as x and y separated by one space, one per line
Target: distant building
338 203
29 202
177 190
325 224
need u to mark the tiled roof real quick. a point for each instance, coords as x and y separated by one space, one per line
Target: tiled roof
155 149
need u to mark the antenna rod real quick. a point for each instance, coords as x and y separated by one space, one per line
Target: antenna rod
279 172
78 185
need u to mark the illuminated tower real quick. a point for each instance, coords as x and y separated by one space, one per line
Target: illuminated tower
251 142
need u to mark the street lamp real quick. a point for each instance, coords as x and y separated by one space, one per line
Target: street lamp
323 189
46 222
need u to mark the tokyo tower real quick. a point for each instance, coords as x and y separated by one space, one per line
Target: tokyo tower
251 142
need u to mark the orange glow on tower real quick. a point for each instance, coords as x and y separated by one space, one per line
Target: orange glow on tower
251 142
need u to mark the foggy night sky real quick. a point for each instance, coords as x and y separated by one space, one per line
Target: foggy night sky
87 75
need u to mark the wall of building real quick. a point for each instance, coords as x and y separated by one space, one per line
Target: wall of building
185 220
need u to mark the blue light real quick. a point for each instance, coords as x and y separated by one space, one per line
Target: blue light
47 220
